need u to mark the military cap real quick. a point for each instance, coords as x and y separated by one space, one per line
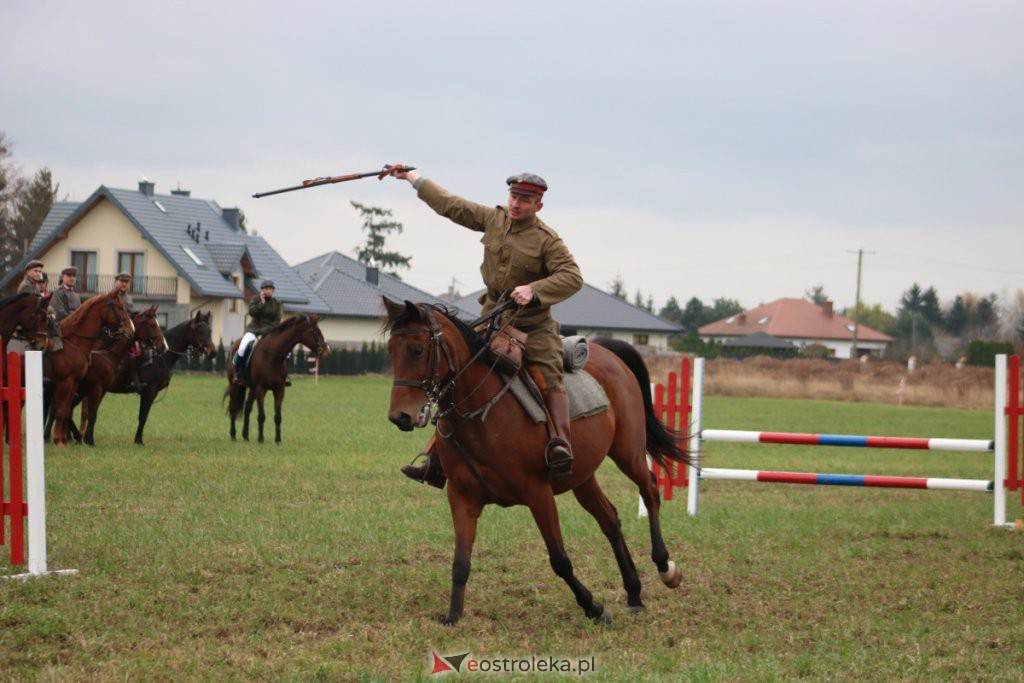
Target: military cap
267 283
35 263
124 275
70 270
527 183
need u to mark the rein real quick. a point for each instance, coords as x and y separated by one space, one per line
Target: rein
437 388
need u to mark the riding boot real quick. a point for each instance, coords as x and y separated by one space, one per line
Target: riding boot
430 472
238 362
558 453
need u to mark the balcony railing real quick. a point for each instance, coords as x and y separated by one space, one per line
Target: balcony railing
145 287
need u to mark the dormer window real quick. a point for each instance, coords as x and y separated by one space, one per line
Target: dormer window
192 255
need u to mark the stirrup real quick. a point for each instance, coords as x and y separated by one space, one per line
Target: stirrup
558 456
430 472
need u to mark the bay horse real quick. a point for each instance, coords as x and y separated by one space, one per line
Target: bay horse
103 368
25 316
194 333
268 370
438 359
100 320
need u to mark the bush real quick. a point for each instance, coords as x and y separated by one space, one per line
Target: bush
983 353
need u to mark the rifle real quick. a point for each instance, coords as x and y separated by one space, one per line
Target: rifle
330 180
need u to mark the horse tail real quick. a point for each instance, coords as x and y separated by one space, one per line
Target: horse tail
235 393
662 442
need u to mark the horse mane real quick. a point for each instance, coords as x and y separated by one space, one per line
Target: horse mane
473 340
72 321
13 298
286 325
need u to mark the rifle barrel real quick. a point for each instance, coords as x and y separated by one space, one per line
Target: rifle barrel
329 180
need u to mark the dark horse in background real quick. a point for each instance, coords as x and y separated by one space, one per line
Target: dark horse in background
436 358
194 333
268 370
95 326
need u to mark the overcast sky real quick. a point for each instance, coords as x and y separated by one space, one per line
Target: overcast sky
719 148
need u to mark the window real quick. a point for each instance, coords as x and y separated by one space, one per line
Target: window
640 340
85 261
133 262
192 255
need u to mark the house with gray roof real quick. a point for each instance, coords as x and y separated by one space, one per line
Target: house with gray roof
185 254
352 290
592 312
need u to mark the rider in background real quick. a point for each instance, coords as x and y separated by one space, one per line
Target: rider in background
66 300
265 313
524 255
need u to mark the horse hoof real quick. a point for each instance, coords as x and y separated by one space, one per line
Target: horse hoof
637 609
450 620
604 618
673 576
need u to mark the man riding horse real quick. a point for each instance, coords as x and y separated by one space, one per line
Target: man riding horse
265 314
524 255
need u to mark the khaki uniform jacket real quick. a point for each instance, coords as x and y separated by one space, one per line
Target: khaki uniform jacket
31 287
264 317
515 253
518 253
127 302
65 302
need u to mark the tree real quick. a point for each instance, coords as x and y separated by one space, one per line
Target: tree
816 295
618 287
671 311
723 308
693 315
910 302
9 247
956 317
31 205
378 225
873 316
930 308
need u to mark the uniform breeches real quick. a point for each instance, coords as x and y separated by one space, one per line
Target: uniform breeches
544 355
243 346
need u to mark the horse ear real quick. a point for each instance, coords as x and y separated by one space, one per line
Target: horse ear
393 308
314 318
198 314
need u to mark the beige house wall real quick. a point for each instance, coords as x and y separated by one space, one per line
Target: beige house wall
105 230
655 340
339 328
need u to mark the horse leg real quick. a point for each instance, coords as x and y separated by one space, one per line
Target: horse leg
94 399
545 514
593 500
248 412
465 514
145 403
262 414
671 575
278 400
62 408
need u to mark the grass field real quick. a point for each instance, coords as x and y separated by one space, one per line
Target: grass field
200 558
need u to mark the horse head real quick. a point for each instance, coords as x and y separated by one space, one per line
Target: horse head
199 334
313 338
147 329
422 361
26 317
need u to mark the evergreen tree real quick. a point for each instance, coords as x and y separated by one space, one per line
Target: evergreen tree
955 319
671 311
723 308
618 287
377 224
33 202
694 314
816 295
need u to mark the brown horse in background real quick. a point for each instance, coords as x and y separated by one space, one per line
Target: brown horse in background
100 320
268 369
437 359
103 370
25 316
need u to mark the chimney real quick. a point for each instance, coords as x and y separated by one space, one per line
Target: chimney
146 187
742 319
232 217
826 308
181 193
372 275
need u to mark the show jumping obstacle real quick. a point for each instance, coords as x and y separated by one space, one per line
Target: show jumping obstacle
17 507
681 413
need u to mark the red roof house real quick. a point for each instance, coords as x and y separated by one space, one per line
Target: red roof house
800 322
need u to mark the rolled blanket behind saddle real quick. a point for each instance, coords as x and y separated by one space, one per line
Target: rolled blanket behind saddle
574 352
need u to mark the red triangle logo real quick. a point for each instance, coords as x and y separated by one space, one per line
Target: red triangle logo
440 665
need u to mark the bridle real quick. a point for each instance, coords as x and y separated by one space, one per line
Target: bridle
437 387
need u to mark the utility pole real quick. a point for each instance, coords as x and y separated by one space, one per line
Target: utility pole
856 303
